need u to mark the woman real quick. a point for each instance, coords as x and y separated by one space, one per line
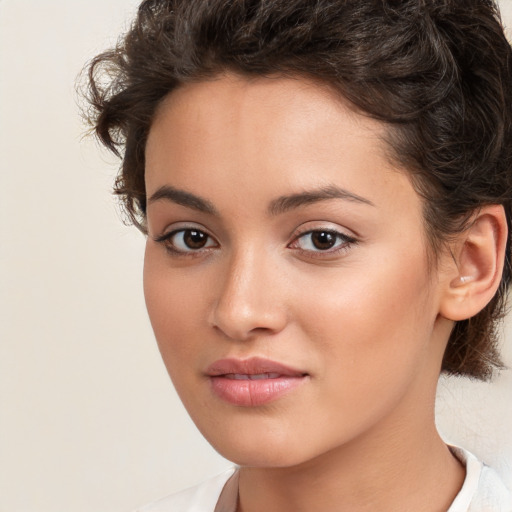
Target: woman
325 187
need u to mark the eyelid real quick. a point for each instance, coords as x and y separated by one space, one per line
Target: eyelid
346 241
339 234
168 234
180 226
315 226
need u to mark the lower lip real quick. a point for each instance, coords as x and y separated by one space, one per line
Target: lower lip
251 393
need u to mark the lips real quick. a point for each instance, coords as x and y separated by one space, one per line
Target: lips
259 376
252 382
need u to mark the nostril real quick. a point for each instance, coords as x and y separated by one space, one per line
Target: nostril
243 323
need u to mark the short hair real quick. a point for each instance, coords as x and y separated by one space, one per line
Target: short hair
436 72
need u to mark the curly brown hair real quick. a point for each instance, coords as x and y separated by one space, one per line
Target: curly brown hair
437 72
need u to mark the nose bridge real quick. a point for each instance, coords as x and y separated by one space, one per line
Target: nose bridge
247 300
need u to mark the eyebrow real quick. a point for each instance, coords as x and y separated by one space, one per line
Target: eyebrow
277 206
183 198
285 203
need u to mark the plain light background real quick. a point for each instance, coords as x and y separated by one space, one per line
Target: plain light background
88 418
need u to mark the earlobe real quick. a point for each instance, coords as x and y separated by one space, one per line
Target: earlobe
478 255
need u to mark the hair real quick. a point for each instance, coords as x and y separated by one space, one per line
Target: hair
437 72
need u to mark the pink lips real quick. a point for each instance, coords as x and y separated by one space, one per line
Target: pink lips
252 382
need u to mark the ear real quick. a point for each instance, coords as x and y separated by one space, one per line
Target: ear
477 266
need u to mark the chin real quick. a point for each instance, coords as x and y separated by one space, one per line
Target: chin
261 457
267 449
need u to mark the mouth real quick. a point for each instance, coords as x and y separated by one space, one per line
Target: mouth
253 382
259 376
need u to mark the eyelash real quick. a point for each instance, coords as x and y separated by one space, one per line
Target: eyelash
346 243
166 240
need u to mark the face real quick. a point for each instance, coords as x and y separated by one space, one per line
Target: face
286 272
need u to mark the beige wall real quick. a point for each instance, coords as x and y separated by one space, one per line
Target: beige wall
88 419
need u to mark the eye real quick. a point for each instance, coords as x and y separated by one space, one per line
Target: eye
322 240
187 240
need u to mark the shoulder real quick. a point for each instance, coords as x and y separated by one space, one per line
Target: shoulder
201 498
483 490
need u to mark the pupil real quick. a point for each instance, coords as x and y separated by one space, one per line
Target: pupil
323 239
194 239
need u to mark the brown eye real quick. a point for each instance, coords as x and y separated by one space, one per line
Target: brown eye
187 240
194 239
323 240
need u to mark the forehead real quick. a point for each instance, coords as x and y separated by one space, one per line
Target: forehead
236 98
268 136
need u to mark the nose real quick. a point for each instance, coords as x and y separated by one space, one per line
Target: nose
250 299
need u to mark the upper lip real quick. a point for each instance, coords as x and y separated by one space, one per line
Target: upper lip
252 366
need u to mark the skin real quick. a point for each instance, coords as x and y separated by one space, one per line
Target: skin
363 320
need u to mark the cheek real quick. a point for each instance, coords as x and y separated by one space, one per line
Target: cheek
174 303
371 331
373 318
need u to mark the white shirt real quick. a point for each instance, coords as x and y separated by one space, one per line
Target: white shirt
482 491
